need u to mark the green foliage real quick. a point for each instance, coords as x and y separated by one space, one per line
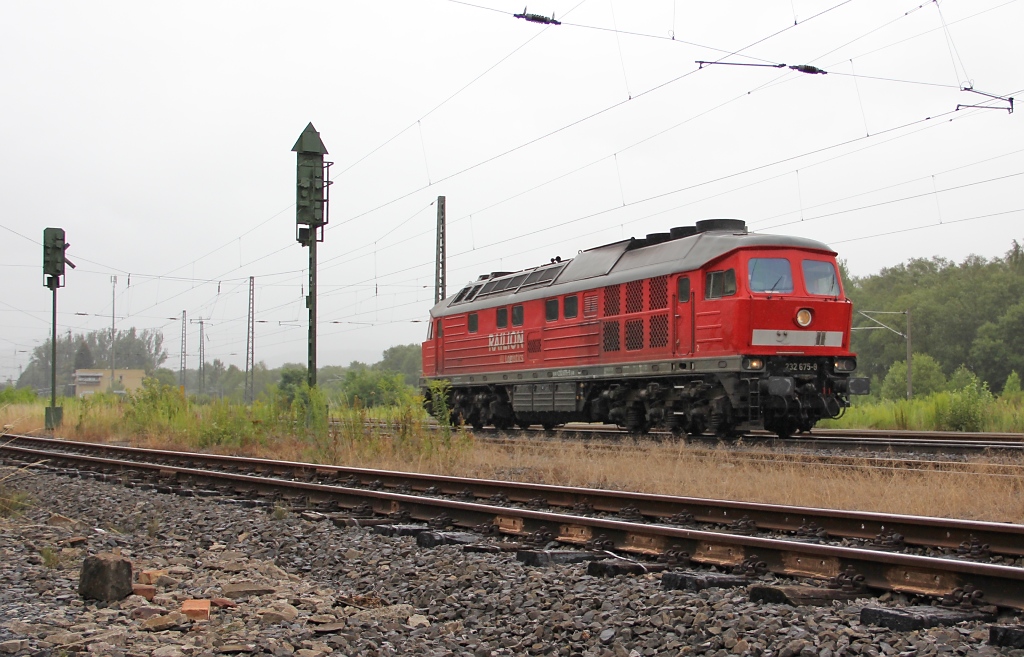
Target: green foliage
927 378
1012 393
293 381
962 378
405 359
9 395
371 388
960 314
967 408
132 350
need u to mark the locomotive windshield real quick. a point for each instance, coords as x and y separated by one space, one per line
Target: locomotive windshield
772 275
820 278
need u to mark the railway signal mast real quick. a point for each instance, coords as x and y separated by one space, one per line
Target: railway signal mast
54 261
312 181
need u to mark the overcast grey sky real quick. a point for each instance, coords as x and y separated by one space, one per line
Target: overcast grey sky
158 135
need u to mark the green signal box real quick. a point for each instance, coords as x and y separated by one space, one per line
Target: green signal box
54 258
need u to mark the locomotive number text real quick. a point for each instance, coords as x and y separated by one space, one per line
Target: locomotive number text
800 367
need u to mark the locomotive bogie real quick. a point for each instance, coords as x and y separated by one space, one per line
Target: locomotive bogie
716 330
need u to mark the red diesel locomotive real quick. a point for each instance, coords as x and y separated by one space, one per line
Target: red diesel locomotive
704 328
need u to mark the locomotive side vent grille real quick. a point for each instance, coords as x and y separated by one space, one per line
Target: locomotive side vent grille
659 293
533 346
634 297
658 332
611 301
634 334
590 305
610 336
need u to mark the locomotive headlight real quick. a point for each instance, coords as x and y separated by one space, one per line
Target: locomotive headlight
804 317
845 364
753 364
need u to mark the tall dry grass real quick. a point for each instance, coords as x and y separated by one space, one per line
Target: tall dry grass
672 468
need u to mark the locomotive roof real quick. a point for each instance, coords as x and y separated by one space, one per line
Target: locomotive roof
611 264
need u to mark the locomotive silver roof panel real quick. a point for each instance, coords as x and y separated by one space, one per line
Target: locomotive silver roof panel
620 262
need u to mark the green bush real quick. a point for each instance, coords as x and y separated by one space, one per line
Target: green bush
927 378
10 395
967 408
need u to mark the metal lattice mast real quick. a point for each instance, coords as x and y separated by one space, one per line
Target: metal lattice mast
181 369
202 357
440 272
312 180
250 350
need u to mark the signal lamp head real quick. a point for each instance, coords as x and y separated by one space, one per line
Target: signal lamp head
804 317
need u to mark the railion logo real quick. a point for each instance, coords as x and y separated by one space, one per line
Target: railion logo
505 341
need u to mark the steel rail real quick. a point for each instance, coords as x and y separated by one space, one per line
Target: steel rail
950 534
1001 585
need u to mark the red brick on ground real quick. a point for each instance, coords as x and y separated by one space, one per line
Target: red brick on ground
196 609
147 591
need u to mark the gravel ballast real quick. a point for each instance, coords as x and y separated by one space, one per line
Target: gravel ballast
283 585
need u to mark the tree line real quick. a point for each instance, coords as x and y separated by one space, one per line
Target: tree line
967 320
382 383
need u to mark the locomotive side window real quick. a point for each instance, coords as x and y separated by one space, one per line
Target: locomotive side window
684 289
440 329
551 310
473 323
771 275
430 330
820 278
720 284
571 307
502 317
517 315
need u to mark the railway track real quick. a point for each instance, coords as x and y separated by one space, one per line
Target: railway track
778 458
924 556
870 439
948 442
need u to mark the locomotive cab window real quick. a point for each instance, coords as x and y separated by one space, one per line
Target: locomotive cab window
820 278
502 318
720 284
770 275
472 323
683 289
551 310
430 330
440 329
571 307
517 315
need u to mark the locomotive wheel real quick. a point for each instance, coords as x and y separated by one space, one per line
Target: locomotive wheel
548 426
523 425
477 425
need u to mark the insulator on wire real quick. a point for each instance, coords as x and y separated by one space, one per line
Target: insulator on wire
538 18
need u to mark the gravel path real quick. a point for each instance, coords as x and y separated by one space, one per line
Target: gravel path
348 591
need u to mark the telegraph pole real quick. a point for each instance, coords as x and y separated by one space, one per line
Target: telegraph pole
202 358
54 261
905 336
440 268
312 181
